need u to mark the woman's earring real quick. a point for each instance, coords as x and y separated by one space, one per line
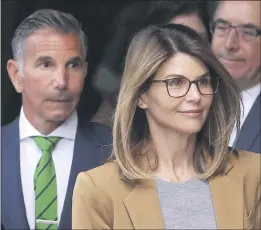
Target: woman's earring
140 104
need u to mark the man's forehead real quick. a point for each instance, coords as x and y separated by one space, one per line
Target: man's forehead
48 42
44 38
239 12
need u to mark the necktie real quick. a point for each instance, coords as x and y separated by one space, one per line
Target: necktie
45 185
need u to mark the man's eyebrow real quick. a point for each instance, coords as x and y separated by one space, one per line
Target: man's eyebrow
43 59
250 25
246 25
75 59
220 20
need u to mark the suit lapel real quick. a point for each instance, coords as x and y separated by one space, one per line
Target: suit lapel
12 194
84 158
227 196
148 215
251 127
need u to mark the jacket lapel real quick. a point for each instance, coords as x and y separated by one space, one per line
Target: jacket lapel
78 163
251 127
148 215
13 207
227 196
85 157
144 196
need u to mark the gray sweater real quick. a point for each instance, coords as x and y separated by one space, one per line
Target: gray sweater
186 205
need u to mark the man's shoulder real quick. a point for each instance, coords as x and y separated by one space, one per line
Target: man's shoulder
95 132
10 126
9 130
94 126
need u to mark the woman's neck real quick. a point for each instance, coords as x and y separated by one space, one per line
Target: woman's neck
175 156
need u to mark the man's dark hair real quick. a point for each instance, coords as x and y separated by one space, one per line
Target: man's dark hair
138 15
212 8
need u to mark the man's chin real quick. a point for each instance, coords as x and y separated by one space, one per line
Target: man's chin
59 116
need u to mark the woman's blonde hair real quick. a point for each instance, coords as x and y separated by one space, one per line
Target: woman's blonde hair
149 49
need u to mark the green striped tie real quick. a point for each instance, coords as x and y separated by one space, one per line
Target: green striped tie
45 185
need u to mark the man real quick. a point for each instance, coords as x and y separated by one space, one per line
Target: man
44 149
236 42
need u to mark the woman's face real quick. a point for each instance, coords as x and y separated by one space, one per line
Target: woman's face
186 114
193 21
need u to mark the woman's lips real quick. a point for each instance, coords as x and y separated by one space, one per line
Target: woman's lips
191 113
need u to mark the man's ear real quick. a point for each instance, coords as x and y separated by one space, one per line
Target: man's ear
85 68
15 75
142 103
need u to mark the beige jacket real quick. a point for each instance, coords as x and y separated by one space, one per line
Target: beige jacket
104 199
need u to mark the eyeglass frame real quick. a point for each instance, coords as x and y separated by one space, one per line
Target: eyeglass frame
166 81
230 26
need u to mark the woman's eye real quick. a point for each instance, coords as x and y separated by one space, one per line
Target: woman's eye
204 81
177 82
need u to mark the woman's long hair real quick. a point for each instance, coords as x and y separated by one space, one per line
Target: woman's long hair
149 49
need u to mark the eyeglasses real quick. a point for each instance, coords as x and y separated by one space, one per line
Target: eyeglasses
178 85
246 32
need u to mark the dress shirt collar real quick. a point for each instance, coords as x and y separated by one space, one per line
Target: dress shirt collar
66 130
251 93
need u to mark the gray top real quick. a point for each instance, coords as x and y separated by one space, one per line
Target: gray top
186 205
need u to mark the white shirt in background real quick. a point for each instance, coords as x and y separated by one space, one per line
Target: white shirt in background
248 99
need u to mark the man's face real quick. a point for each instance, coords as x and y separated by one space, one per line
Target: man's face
239 56
52 77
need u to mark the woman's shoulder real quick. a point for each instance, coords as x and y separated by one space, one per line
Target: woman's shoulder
106 177
246 158
247 164
110 170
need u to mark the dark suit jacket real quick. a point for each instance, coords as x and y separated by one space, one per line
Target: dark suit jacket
250 134
92 147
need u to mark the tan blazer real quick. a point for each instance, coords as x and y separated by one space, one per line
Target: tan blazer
104 199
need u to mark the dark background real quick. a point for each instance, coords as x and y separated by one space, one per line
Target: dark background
96 16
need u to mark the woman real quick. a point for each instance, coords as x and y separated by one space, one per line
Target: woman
171 166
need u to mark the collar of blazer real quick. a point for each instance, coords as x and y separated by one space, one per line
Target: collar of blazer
144 210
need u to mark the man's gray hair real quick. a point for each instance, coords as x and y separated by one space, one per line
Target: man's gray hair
46 19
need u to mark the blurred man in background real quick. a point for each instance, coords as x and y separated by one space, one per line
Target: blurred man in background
236 29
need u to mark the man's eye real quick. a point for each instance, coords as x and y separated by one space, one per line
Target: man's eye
221 27
250 32
46 64
74 65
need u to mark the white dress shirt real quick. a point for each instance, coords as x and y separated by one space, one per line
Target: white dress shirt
248 99
30 154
